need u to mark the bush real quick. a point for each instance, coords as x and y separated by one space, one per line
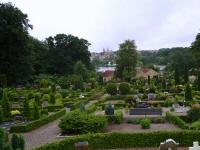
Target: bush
78 122
46 97
125 140
194 113
44 112
168 103
177 121
153 120
195 125
116 118
1 116
111 88
124 88
37 123
145 123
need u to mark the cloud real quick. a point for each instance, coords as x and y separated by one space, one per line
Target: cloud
152 24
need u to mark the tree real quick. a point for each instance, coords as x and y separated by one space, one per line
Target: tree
188 92
15 141
52 98
149 80
126 60
26 111
111 88
6 104
77 82
198 81
195 48
80 69
64 51
15 56
124 88
36 113
176 75
186 75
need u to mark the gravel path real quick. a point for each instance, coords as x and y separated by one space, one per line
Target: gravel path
42 135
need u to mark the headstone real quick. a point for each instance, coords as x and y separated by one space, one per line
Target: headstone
109 109
151 96
44 104
81 146
81 96
176 106
195 146
169 144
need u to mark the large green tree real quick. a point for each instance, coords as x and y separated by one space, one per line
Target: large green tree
195 48
126 60
64 52
80 69
14 54
6 104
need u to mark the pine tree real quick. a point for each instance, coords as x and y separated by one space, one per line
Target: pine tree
149 80
186 76
26 110
188 92
176 75
15 141
198 81
6 104
52 98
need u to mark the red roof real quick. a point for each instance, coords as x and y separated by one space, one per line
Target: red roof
108 73
145 70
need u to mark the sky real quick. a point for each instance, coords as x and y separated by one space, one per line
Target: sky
153 24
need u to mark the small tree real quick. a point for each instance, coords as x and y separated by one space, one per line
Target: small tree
188 92
176 75
15 141
1 116
111 88
5 104
186 76
26 111
37 98
149 80
198 81
53 88
124 88
36 114
52 98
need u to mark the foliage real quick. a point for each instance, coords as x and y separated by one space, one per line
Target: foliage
125 140
188 92
194 113
195 125
126 60
79 122
168 103
176 120
111 88
37 123
6 104
77 82
15 112
36 113
15 56
124 88
17 142
52 98
1 116
116 118
145 123
80 69
195 47
153 120
26 109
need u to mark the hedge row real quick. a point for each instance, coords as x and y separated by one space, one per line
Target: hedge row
116 118
125 140
37 123
176 120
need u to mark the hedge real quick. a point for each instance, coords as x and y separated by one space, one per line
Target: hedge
125 140
37 123
176 120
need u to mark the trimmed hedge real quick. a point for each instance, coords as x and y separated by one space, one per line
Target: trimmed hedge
116 118
37 123
153 120
176 120
125 140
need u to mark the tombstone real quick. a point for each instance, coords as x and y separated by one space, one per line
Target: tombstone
82 145
81 96
21 98
151 96
15 106
45 104
19 117
175 106
109 109
169 144
195 146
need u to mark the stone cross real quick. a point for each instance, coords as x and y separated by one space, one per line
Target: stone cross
195 146
169 144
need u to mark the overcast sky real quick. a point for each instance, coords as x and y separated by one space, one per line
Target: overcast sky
153 24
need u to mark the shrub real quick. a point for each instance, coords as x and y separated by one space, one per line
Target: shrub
168 103
44 83
194 113
36 113
44 112
176 120
116 118
37 123
6 104
1 116
15 142
153 120
188 92
195 125
124 88
145 123
125 140
37 98
78 122
52 98
46 97
26 109
111 88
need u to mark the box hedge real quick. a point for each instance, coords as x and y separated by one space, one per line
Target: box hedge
37 123
125 140
176 120
116 118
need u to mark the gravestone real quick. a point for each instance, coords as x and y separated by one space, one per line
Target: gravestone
176 106
109 109
195 146
81 96
45 104
81 145
169 144
151 96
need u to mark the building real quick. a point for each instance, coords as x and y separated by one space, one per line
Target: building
145 72
108 75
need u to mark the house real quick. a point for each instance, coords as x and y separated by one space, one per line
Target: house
108 75
145 72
